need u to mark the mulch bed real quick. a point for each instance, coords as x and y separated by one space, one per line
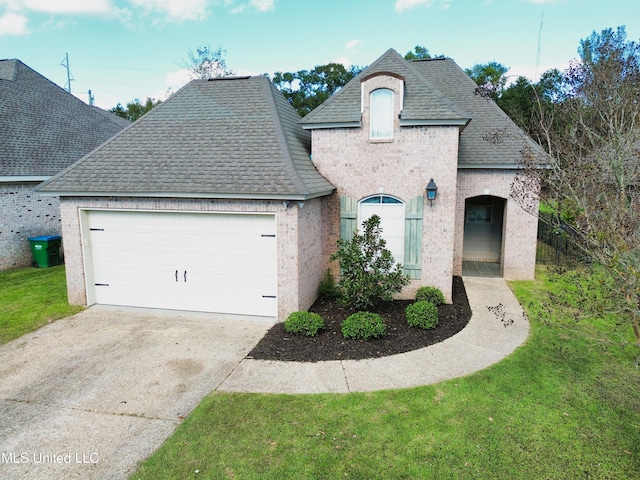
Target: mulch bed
329 344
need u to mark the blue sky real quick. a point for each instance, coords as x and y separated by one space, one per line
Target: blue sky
126 49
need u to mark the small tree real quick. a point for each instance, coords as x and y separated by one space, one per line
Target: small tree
206 63
369 273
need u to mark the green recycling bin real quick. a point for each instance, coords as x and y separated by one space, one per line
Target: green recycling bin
45 250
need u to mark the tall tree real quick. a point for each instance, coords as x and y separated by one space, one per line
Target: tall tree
307 89
490 78
206 63
593 183
135 109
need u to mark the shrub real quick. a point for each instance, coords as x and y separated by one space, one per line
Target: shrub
369 275
364 326
304 323
430 294
328 287
422 315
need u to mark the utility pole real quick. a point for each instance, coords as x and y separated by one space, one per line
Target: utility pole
539 42
65 63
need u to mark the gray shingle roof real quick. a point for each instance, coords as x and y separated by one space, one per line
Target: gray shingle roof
437 91
491 138
423 101
230 137
44 128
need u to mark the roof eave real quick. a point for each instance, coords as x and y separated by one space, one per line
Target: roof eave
23 178
229 196
314 126
445 122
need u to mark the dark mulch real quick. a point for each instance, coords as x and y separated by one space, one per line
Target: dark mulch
329 344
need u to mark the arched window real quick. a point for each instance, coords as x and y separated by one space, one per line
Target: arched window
392 221
381 113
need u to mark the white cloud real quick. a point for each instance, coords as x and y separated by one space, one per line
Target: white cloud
351 44
259 5
66 6
343 60
402 5
175 9
533 73
13 24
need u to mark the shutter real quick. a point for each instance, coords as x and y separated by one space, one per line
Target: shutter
348 217
413 237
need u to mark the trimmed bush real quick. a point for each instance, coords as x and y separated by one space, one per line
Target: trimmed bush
364 326
369 274
304 323
422 315
430 294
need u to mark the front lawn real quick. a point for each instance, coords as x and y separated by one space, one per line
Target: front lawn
564 405
31 298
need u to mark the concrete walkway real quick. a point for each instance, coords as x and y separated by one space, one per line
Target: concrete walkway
92 395
490 336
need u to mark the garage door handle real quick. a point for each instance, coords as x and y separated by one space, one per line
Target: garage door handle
176 275
185 276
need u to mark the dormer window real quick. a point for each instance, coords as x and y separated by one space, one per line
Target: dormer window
381 108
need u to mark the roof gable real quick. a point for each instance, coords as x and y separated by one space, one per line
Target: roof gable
44 128
229 137
423 101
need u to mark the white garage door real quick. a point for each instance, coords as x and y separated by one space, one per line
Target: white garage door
205 262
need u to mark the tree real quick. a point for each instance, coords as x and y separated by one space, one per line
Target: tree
490 78
206 63
307 89
592 184
526 102
369 275
135 109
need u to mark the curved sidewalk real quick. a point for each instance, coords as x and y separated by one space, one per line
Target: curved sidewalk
490 336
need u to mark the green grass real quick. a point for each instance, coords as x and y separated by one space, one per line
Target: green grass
563 406
31 298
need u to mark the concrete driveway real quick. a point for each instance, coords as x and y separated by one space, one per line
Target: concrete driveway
91 395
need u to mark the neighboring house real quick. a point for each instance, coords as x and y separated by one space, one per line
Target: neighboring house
43 129
222 200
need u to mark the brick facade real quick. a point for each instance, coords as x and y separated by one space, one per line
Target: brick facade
298 232
24 214
401 167
518 255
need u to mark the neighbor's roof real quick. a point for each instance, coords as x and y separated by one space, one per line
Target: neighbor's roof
223 138
437 92
43 127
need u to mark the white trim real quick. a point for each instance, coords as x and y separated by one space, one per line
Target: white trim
23 179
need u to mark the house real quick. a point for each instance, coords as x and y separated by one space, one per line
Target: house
43 129
223 200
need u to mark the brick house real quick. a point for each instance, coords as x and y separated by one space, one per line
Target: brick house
223 200
44 129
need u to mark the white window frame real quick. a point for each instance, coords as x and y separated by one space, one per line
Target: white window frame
384 204
381 109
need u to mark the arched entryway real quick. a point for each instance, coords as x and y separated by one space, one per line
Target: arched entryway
483 236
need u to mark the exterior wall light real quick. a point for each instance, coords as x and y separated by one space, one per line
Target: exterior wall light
432 191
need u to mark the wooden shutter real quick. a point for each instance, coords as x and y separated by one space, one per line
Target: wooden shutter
348 217
413 237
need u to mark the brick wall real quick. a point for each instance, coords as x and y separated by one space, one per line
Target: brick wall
24 214
299 253
402 167
519 228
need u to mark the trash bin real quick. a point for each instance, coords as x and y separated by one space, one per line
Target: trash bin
45 250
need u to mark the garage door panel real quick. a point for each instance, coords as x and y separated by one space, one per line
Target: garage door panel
224 262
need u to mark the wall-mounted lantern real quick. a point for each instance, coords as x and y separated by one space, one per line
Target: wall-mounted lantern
432 191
